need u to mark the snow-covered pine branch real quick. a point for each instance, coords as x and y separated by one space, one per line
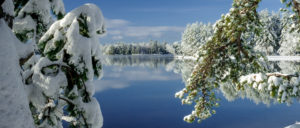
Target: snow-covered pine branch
72 44
225 57
295 7
34 17
57 83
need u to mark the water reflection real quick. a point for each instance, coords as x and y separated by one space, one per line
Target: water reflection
232 92
153 61
155 65
266 96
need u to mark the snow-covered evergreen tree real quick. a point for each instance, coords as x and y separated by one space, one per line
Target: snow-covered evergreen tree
71 68
290 41
295 7
34 17
54 84
227 56
194 36
14 105
268 40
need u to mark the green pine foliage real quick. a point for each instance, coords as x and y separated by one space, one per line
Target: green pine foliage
235 57
83 27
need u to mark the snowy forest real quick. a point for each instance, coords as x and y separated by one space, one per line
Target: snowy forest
152 47
50 60
274 39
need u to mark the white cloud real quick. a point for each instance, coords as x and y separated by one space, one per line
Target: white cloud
155 31
116 23
119 29
117 37
175 10
115 32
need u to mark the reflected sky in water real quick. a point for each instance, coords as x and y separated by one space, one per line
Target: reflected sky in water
139 92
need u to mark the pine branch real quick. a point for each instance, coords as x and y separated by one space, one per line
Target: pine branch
22 61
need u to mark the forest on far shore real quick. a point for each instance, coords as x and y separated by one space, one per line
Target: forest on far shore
276 38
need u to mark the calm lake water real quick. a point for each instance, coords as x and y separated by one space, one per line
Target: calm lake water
138 92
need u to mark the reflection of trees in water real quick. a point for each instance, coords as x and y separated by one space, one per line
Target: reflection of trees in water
259 88
152 61
289 67
183 67
232 92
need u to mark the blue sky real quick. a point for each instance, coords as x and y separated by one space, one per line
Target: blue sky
162 20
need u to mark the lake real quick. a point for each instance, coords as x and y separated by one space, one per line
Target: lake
138 92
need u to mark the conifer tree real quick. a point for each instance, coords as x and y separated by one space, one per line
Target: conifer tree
226 57
57 75
194 36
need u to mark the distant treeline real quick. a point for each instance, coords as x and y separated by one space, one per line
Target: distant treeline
276 38
152 47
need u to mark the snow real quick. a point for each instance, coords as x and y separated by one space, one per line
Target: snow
40 7
8 7
261 86
295 89
283 58
185 57
93 113
94 14
14 106
180 94
194 36
68 118
188 118
25 23
260 77
58 6
47 82
82 49
289 41
274 80
270 58
296 125
49 85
